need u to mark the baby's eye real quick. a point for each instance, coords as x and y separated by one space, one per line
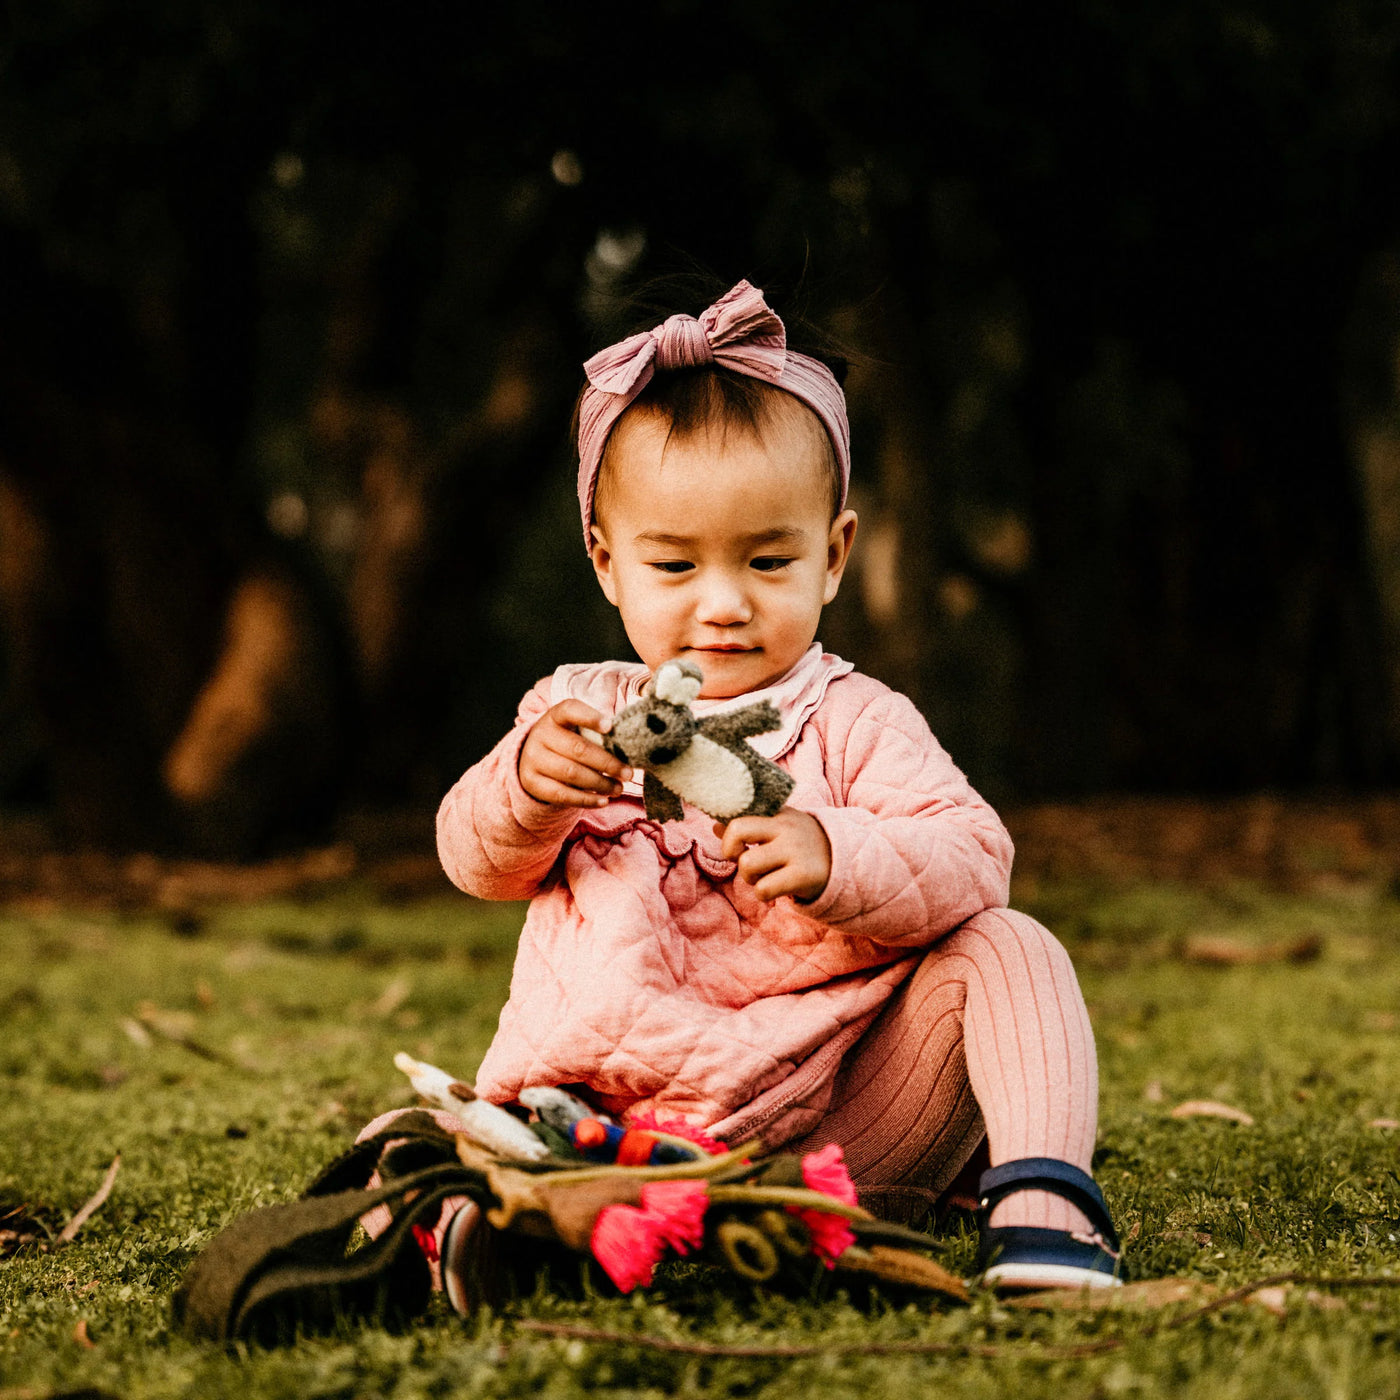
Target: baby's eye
770 563
672 566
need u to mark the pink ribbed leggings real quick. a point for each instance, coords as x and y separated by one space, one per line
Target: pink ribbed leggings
988 1036
990 1033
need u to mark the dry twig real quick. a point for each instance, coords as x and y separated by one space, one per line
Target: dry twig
635 1339
570 1332
170 1027
92 1204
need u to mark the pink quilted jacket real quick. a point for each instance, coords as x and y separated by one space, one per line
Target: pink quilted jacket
648 974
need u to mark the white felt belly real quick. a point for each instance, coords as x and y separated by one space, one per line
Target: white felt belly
710 777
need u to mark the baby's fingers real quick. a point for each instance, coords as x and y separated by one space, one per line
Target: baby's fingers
565 741
546 789
743 832
782 881
757 861
582 771
574 714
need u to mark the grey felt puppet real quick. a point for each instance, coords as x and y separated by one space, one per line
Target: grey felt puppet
706 762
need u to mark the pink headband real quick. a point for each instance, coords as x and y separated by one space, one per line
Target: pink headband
741 333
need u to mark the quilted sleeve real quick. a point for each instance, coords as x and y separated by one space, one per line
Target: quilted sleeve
914 850
494 840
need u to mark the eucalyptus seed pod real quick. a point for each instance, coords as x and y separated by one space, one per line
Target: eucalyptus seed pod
747 1250
787 1232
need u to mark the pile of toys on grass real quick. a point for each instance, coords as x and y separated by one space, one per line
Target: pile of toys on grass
549 1168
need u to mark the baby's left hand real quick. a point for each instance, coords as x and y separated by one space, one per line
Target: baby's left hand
785 854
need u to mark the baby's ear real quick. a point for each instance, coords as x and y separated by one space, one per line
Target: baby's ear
602 559
678 682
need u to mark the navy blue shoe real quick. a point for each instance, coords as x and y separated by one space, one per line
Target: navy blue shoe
1024 1257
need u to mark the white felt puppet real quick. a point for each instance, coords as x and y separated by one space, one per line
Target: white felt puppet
706 762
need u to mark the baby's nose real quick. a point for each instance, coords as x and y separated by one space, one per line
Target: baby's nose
725 602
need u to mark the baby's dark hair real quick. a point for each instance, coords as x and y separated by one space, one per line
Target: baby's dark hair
692 401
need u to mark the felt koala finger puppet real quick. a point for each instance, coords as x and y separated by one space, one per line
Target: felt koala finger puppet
706 762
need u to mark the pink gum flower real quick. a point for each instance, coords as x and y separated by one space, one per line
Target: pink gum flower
825 1171
678 1208
628 1243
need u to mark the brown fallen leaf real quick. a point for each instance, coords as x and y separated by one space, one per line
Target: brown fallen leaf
1327 1302
1225 950
80 1335
1145 1296
136 1032
1209 1108
19 1228
1274 1300
1389 1123
330 1113
392 997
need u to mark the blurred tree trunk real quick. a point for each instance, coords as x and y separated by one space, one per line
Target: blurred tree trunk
1372 405
183 674
1205 615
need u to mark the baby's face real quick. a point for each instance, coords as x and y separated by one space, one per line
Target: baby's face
720 550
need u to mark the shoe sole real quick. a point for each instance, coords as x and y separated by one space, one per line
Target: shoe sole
1032 1276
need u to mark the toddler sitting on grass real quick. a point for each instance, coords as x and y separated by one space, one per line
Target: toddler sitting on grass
845 971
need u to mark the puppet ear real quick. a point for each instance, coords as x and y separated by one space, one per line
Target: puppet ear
678 682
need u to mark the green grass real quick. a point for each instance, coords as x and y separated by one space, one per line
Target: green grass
305 1005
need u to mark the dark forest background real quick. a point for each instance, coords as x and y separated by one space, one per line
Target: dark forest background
293 301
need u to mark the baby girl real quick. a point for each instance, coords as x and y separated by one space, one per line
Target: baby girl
846 971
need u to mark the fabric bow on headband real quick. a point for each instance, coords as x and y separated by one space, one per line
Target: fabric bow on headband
740 332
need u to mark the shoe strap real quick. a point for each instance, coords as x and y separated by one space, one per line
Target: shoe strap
1059 1179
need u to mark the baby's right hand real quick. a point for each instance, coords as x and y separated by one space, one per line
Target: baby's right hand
560 766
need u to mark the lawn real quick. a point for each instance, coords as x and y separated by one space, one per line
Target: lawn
229 1056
